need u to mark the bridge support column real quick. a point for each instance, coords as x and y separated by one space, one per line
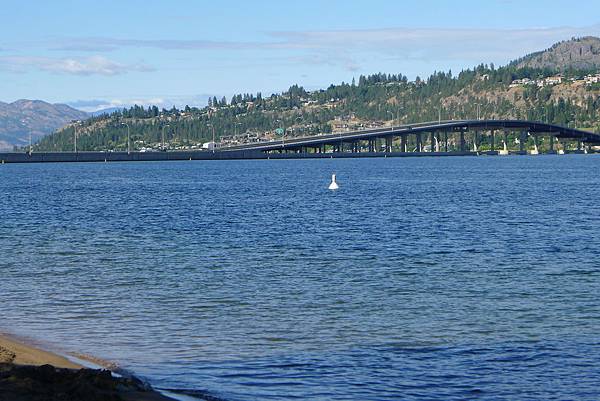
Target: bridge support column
419 143
371 145
446 141
432 141
522 139
579 145
403 144
388 143
506 138
476 141
462 140
492 144
551 139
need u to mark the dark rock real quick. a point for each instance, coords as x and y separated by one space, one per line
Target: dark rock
47 383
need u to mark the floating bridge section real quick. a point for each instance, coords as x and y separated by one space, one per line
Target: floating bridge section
440 138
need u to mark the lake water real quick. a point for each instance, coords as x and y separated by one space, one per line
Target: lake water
420 279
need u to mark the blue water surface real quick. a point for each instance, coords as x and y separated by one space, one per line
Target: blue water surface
419 279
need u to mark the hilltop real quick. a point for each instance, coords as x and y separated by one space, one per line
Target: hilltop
529 88
578 53
24 117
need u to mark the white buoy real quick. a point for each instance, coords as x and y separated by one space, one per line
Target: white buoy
333 184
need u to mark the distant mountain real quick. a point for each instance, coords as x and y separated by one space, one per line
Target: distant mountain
20 118
578 53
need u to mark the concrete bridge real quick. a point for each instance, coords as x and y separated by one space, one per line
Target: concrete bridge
440 138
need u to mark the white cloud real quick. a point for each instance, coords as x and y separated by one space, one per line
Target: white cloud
426 44
345 47
103 44
101 104
95 65
91 105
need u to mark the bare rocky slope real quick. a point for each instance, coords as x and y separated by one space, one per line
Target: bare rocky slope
577 53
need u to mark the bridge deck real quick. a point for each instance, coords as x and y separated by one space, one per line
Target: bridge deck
444 126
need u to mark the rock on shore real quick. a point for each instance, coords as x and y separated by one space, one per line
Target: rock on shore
47 383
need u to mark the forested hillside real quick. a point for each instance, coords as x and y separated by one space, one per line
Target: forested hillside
564 95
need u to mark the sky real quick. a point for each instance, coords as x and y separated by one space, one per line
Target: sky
112 53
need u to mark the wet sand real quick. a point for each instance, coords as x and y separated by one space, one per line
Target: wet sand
28 373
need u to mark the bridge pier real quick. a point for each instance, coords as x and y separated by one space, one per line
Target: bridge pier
403 143
446 141
476 141
388 143
462 140
551 139
522 139
432 141
492 144
419 143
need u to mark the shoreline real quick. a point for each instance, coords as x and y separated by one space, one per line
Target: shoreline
28 372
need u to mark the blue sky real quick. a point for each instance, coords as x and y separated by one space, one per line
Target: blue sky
111 53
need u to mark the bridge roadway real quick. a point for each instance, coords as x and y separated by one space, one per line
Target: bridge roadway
295 148
433 128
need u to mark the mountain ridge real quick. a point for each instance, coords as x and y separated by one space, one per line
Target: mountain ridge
23 117
576 53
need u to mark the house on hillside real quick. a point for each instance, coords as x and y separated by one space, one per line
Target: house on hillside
519 82
555 80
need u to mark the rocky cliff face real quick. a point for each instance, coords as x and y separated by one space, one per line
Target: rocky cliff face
581 53
39 118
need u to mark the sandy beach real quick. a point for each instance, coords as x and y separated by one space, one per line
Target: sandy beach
28 373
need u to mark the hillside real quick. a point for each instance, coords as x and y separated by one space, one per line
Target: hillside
519 90
580 54
20 118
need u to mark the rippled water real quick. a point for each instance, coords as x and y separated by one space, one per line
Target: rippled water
421 278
